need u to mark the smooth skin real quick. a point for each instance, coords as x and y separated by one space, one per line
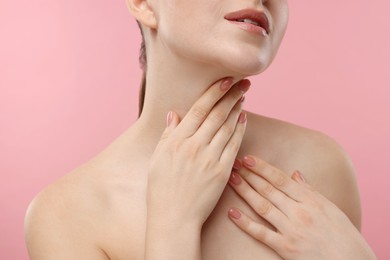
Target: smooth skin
98 211
306 225
107 208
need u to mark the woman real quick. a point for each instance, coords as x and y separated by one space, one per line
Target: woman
160 190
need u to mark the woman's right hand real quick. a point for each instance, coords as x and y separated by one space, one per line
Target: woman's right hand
192 163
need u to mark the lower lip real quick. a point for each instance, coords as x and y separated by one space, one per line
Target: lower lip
251 28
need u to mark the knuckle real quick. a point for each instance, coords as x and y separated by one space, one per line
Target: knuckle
264 208
199 113
233 145
318 205
290 246
193 149
267 190
312 189
245 223
280 180
305 217
227 129
218 116
260 234
219 170
175 145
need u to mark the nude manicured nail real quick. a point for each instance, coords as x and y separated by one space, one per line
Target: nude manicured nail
226 83
249 161
234 213
242 118
235 178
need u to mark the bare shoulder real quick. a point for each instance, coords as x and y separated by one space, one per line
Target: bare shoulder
95 211
60 220
321 159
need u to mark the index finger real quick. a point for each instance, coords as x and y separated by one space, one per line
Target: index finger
202 107
275 177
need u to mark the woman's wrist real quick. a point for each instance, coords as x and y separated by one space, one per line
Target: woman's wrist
172 240
170 225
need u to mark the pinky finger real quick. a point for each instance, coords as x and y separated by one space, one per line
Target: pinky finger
298 177
254 229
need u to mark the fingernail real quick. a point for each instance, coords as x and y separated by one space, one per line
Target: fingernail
300 176
235 178
249 161
244 85
242 118
237 165
169 118
234 213
226 83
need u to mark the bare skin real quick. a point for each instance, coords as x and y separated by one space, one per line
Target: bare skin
98 210
302 217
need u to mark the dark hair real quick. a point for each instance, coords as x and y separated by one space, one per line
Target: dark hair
143 65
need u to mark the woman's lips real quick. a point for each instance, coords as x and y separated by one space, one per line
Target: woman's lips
251 20
251 28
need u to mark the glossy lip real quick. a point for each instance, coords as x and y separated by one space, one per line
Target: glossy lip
253 14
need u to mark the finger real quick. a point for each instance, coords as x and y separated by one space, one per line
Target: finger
276 177
172 122
254 229
229 151
298 177
202 107
225 132
215 121
262 206
283 202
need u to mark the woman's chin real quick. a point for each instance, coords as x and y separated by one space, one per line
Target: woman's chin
248 61
248 69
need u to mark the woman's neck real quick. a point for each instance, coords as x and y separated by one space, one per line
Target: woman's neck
174 85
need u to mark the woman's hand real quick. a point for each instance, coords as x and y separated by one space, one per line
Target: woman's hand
193 160
308 225
189 170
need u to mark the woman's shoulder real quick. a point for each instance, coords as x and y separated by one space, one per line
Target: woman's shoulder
292 137
75 209
90 188
321 159
289 139
61 216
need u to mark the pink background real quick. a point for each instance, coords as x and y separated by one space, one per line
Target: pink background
69 84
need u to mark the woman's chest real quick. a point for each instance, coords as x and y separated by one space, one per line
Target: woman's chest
220 238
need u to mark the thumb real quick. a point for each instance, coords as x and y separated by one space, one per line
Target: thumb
172 122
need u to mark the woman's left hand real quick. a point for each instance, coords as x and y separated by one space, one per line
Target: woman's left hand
308 225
